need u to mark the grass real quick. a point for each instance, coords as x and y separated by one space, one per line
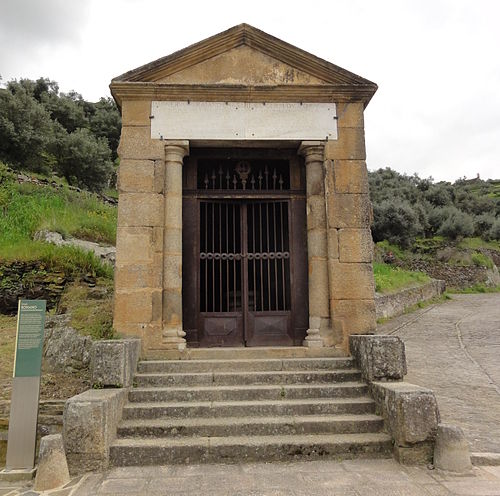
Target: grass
91 309
478 243
428 245
482 260
389 279
476 289
27 208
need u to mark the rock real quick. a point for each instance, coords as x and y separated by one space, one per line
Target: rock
104 252
411 417
379 357
65 350
455 276
493 277
412 412
49 237
52 469
114 362
89 427
451 452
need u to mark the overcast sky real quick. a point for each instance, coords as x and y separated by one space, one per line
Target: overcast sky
436 62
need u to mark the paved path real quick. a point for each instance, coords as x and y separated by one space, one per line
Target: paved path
454 349
322 478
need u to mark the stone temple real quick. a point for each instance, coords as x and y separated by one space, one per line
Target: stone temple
244 214
244 265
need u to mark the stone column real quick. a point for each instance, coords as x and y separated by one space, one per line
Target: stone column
173 335
319 312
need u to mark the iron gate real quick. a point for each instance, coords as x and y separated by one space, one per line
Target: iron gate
244 248
245 272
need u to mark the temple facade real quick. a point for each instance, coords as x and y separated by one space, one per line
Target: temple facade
244 213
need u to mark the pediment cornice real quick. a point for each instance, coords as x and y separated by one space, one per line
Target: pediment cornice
336 82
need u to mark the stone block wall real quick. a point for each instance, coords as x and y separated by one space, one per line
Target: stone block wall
349 214
139 260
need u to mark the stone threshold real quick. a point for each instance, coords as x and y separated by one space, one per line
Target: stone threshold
258 352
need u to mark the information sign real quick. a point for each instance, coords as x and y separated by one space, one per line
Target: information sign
26 386
29 340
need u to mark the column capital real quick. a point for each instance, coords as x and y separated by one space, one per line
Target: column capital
310 148
176 150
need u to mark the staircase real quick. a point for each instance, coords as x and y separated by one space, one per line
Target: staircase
223 410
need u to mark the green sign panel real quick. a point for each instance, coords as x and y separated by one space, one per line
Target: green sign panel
29 339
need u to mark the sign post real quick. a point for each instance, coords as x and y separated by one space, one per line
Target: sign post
26 385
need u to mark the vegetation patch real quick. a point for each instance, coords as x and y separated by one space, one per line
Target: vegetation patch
90 308
389 278
478 243
475 289
409 208
27 208
481 260
45 131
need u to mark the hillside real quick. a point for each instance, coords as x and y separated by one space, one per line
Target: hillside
407 208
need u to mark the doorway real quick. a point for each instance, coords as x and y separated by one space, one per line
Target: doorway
244 257
245 273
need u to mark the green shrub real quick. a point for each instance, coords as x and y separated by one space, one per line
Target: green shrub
395 221
483 224
494 232
457 224
482 260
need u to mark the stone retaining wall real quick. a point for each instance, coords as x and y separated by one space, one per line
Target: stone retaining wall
456 276
391 305
29 280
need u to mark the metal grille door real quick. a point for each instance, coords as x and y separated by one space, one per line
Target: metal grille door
220 258
268 257
244 273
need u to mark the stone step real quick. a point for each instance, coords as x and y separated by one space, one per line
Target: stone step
238 449
204 409
243 365
248 392
246 426
240 378
257 352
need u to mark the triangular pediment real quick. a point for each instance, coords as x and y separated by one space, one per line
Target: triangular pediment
242 65
243 55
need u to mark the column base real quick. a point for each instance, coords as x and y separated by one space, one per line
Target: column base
173 339
313 339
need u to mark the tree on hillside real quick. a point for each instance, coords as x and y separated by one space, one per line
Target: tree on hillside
43 130
406 207
26 131
105 122
85 160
